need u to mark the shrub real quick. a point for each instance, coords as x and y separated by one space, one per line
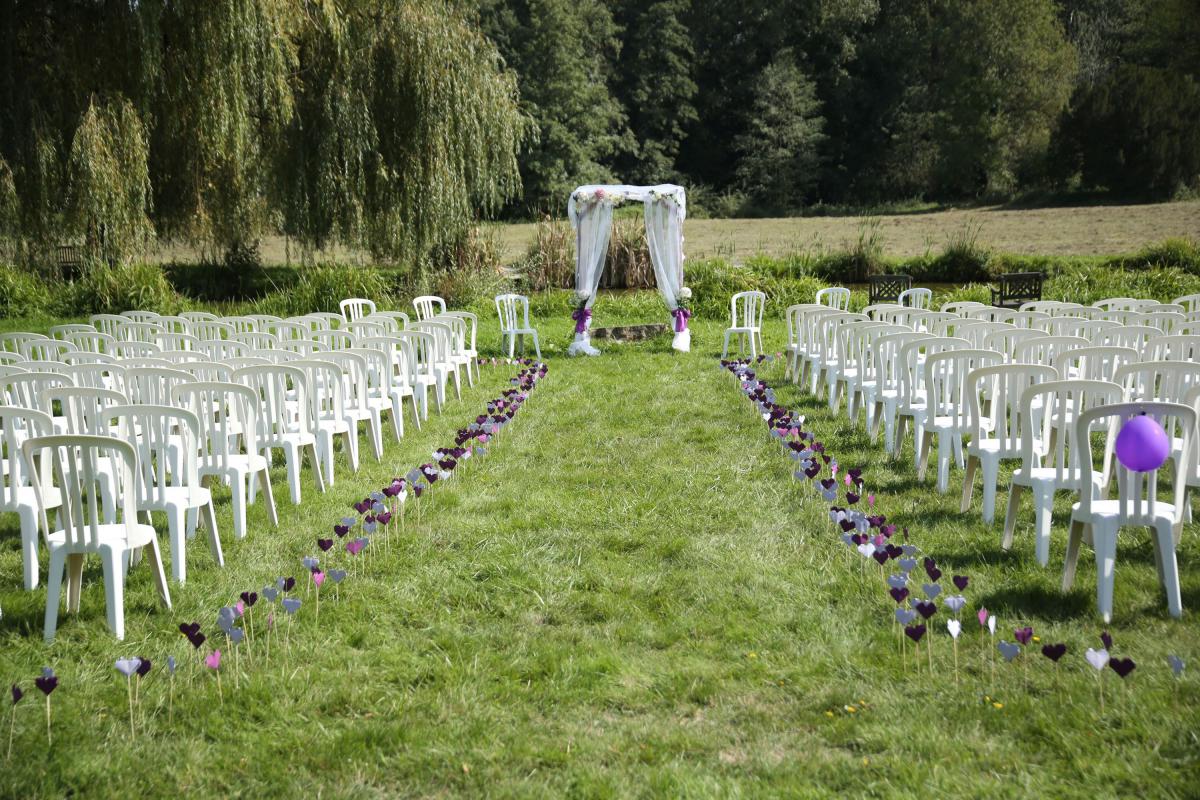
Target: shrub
324 287
549 262
110 290
862 259
22 294
1084 284
962 259
1179 253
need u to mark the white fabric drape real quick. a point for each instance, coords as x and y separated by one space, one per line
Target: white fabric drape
590 211
664 236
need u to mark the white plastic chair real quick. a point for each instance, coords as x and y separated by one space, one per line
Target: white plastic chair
228 415
398 382
1137 501
17 425
1161 381
399 319
173 340
1190 302
1041 407
948 411
420 355
746 309
62 332
428 306
46 349
281 424
961 307
223 349
913 400
356 308
167 474
362 328
1093 363
83 357
809 346
210 330
835 297
887 394
107 323
917 298
154 385
828 355
1134 336
513 325
124 350
328 412
138 332
863 378
92 524
1174 348
96 376
242 324
441 358
198 316
374 394
998 429
1045 349
335 339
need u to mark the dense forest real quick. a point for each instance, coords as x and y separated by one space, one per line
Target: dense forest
388 125
773 105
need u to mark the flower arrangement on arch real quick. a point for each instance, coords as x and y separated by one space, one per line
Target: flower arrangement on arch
682 311
582 314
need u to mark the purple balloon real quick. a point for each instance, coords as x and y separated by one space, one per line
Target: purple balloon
1142 444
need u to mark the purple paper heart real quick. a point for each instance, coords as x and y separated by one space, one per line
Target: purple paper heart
1023 635
1122 666
1054 651
143 668
899 595
915 632
249 598
325 544
925 608
17 694
960 582
1108 641
881 556
46 683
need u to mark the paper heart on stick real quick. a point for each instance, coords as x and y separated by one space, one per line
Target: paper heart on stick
47 683
932 590
17 694
1054 651
291 604
954 627
1176 664
960 582
925 608
270 592
144 668
1097 658
897 581
905 615
899 595
128 666
1009 650
337 575
955 602
915 632
1122 666
213 660
1023 635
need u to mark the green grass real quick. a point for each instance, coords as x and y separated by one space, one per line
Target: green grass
629 596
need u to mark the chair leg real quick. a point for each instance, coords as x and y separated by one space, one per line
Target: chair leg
210 524
725 349
29 546
397 415
1044 511
537 348
1170 569
945 443
923 456
1074 541
352 447
114 590
238 491
74 581
969 484
293 473
54 579
264 477
1104 541
991 476
160 575
1010 518
175 531
316 468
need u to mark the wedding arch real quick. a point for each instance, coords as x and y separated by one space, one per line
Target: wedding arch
590 210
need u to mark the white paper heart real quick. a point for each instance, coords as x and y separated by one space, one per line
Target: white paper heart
992 625
866 549
1009 650
1097 658
954 626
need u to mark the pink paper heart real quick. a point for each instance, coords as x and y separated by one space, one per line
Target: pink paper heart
318 578
983 617
240 608
213 660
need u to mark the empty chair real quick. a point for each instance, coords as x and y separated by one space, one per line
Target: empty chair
241 324
962 306
198 316
61 332
935 322
419 354
997 427
167 473
223 349
916 298
1028 319
8 357
328 415
256 340
207 371
1190 302
1137 501
361 328
123 350
466 344
948 411
154 385
355 308
1045 349
90 341
46 349
810 344
1162 381
228 416
83 408
397 382
792 315
210 330
281 424
107 323
835 297
96 376
91 522
1165 321
28 390
17 496
826 358
1093 363
334 340
174 324
913 399
395 320
853 342
173 340
886 393
183 356
82 357
265 321
746 309
1044 408
374 398
440 358
285 331
15 341
142 316
1174 348
515 324
428 306
129 331
864 377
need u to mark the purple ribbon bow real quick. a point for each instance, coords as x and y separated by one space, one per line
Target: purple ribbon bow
581 317
682 315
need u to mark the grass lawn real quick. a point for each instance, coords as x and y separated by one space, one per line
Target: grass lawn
628 596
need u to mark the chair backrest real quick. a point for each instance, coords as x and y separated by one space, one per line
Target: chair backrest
227 414
835 297
138 315
917 298
441 345
828 333
934 322
135 363
107 323
173 340
183 356
265 321
1028 319
167 439
301 347
1135 336
85 468
207 371
1093 363
334 340
946 385
28 390
912 358
994 395
1158 381
1054 405
399 357
198 316
1174 348
1137 492
154 385
877 311
273 385
506 310
1190 302
1044 349
83 407
46 349
17 425
399 319
223 349
976 331
279 355
1120 304
377 365
242 324
467 331
356 308
61 332
138 331
82 357
209 330
420 353
960 307
362 328
428 306
91 341
746 309
256 340
288 331
174 324
1165 321
889 365
326 385
96 376
122 350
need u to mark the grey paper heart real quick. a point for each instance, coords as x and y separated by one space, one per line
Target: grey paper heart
337 575
349 521
909 549
309 562
270 592
955 602
291 605
1097 658
1176 665
236 635
931 590
897 581
128 666
908 564
905 615
1009 650
848 539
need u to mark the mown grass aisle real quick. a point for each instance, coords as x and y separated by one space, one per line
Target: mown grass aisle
628 596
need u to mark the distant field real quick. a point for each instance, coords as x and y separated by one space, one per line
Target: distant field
1084 230
1088 230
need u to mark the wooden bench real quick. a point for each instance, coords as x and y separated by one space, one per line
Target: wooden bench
70 261
887 288
1018 288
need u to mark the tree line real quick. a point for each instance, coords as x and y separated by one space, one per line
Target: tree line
781 104
387 126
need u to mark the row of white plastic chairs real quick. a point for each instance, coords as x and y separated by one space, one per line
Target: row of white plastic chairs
183 419
1018 394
